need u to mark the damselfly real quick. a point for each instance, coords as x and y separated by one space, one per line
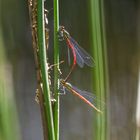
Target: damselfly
80 56
83 95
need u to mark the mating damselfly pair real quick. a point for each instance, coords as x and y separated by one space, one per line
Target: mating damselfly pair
80 57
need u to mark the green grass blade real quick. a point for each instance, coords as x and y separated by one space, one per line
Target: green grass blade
106 71
44 68
9 128
56 61
98 43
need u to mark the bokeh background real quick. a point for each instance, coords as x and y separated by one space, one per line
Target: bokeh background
19 77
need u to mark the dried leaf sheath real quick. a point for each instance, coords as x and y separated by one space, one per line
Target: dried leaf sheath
33 20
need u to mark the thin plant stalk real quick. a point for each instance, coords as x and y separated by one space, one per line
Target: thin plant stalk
106 71
137 137
56 61
44 68
8 113
98 43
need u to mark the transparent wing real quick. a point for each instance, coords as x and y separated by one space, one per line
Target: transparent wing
100 104
79 59
88 60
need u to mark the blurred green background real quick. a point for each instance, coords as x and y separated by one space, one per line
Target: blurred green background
18 77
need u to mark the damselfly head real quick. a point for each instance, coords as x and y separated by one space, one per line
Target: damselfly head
62 81
62 33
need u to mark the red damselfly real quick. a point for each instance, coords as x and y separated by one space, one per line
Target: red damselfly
80 56
83 95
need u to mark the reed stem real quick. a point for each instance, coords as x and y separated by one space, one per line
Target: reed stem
44 68
56 61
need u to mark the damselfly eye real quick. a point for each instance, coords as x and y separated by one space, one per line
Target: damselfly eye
63 33
60 35
61 28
